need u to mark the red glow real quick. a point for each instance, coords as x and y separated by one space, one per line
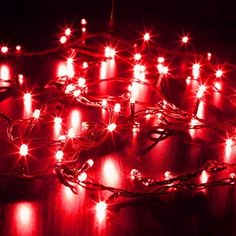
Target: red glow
110 172
111 127
27 104
71 133
228 148
59 155
110 52
204 177
4 49
139 71
75 119
117 107
83 21
68 32
160 59
85 65
137 56
185 39
83 29
196 70
4 72
82 177
104 103
81 82
23 150
209 55
146 37
101 211
63 39
36 113
70 68
217 85
219 73
21 79
25 219
201 90
18 48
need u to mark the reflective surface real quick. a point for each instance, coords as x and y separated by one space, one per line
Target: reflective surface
46 207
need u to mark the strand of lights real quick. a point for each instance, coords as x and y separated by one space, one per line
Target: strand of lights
171 120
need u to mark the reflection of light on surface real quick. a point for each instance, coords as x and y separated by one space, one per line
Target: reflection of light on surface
103 70
228 148
200 111
75 119
196 71
4 72
68 194
192 132
139 71
62 70
110 172
204 177
57 126
101 211
25 218
27 104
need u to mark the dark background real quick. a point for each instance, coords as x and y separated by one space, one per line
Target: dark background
36 24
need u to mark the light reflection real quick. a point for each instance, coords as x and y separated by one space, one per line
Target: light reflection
110 172
4 72
25 219
57 127
27 105
75 120
228 148
108 69
101 208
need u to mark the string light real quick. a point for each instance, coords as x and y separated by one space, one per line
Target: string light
170 120
23 150
146 37
185 39
111 127
4 49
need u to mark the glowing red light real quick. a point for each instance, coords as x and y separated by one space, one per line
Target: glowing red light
85 65
21 79
229 142
36 113
63 39
104 103
201 91
110 172
146 37
110 52
185 39
82 177
58 120
196 70
24 214
23 150
4 49
59 155
83 29
83 21
137 56
71 133
77 92
81 82
117 107
27 98
111 127
101 210
68 32
219 73
18 48
160 59
209 55
204 177
4 72
217 85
